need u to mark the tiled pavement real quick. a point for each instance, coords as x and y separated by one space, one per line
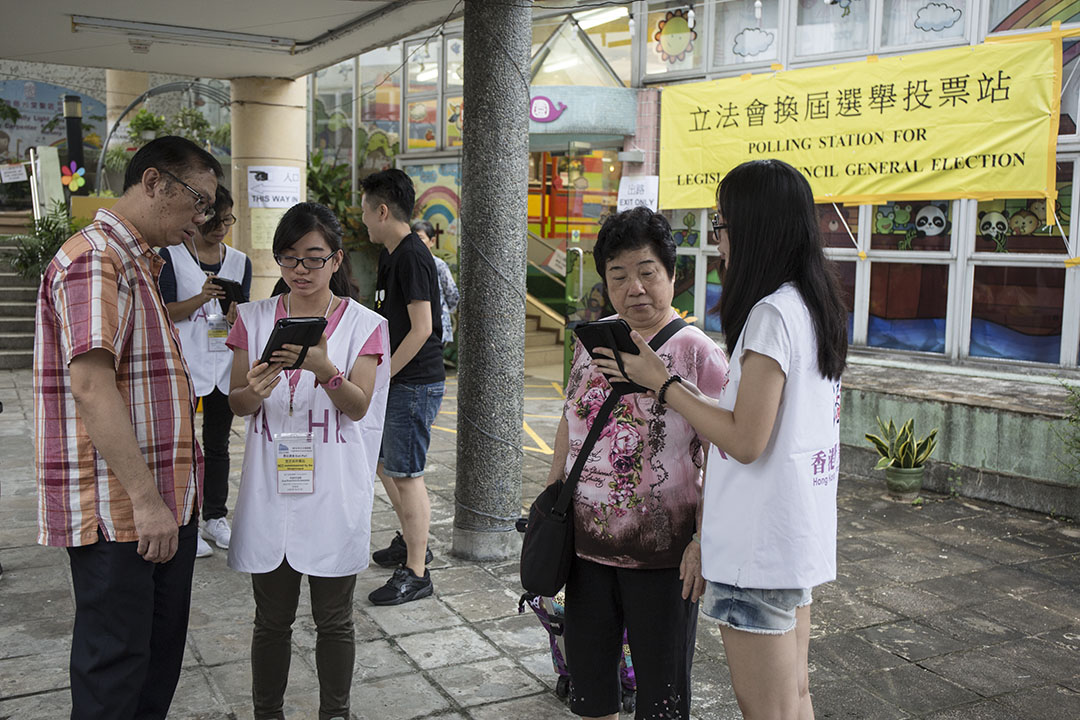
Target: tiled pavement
955 609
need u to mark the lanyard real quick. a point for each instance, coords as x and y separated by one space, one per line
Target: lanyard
195 255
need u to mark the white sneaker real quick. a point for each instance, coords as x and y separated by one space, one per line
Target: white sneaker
219 531
202 549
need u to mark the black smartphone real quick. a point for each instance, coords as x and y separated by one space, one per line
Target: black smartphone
305 331
611 334
234 292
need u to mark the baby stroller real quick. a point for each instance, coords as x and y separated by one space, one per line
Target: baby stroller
550 613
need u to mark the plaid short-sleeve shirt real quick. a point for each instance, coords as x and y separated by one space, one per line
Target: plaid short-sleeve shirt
100 291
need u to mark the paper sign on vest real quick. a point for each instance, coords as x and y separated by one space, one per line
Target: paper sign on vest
295 463
217 331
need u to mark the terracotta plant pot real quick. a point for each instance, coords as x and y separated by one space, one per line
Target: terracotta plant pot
904 484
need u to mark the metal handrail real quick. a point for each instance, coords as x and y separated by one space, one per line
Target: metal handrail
581 273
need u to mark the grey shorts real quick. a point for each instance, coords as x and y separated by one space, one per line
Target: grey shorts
766 612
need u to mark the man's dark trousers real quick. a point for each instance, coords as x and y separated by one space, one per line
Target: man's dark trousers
131 621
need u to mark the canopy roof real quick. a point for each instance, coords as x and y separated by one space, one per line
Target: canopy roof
212 38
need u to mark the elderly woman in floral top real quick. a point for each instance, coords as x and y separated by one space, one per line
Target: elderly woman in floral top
448 292
636 504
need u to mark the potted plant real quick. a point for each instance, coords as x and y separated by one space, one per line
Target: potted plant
145 126
902 457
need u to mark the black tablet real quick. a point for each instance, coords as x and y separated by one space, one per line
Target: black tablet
612 334
305 331
234 292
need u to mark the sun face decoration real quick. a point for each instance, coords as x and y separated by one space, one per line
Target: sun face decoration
675 36
72 176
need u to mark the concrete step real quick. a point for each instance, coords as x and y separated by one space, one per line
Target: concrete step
10 294
541 338
10 325
17 341
550 355
8 244
18 309
16 359
532 322
9 278
14 222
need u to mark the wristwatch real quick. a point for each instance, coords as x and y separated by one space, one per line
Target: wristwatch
335 382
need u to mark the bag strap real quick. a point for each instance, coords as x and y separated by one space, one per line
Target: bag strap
566 494
665 333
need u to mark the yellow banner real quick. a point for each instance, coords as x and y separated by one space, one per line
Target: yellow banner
971 122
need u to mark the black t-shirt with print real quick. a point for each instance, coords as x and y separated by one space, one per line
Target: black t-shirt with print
406 275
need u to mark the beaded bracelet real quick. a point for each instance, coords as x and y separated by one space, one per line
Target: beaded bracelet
663 388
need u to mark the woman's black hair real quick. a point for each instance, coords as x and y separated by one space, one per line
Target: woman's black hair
306 217
223 201
773 235
631 230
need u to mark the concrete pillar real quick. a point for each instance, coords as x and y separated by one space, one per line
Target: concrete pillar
121 88
647 137
269 124
494 198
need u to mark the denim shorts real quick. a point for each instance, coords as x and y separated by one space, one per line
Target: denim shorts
410 410
765 612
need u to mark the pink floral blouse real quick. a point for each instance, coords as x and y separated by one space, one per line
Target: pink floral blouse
635 504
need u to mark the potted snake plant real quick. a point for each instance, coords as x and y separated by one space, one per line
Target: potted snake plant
902 457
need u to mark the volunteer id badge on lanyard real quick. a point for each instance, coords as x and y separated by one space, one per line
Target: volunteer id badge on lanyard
217 330
295 463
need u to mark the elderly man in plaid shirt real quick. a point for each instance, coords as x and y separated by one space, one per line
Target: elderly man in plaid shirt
118 468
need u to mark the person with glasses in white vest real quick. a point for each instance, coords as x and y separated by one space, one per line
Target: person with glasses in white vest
203 319
313 437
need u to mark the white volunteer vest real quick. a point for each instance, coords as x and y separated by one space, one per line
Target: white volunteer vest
328 532
771 524
208 369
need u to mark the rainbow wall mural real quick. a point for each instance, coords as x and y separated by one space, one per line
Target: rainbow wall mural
1037 13
438 201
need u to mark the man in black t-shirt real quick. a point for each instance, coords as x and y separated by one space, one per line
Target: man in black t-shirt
407 295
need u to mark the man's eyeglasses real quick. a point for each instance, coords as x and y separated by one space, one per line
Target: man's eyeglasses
717 226
202 206
311 263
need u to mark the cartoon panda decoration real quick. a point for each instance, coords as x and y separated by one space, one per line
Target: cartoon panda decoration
930 221
994 226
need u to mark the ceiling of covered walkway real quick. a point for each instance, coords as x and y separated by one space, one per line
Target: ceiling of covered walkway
212 38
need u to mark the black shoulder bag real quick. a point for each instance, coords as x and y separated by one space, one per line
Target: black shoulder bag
548 546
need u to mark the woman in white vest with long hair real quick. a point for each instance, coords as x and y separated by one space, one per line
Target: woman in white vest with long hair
325 421
768 529
203 319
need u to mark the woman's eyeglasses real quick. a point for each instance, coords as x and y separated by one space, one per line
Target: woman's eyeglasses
218 221
311 263
717 226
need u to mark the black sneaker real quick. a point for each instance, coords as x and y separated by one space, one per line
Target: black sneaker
402 587
396 554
